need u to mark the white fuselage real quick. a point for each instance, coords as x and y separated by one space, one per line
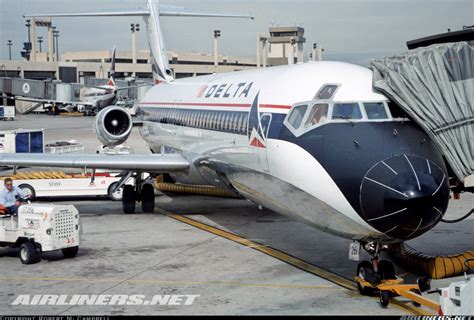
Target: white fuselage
281 176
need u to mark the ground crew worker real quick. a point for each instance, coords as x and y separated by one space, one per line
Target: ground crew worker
10 196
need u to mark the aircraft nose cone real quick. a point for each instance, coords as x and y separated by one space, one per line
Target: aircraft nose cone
404 196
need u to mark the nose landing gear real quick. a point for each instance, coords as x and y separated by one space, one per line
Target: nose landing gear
372 273
378 276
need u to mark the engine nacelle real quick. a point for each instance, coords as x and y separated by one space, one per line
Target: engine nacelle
113 125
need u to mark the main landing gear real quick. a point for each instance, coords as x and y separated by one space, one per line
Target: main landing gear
141 191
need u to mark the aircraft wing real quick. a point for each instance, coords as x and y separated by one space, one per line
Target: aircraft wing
136 86
74 103
172 11
95 87
167 11
93 14
127 162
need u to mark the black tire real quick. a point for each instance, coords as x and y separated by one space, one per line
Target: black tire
117 195
28 190
386 270
70 252
148 198
364 271
128 199
29 253
384 298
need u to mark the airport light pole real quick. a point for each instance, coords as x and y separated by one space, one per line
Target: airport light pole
264 43
40 41
25 53
28 25
56 36
259 44
291 54
54 42
317 52
134 27
217 34
9 44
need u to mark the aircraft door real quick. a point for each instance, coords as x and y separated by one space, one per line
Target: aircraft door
265 121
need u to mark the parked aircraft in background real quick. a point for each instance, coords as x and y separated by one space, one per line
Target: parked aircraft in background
95 98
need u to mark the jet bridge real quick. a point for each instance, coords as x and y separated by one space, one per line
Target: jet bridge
434 85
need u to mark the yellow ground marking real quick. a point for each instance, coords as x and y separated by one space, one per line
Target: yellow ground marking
298 263
71 114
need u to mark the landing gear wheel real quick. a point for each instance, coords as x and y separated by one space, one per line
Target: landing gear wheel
384 298
70 252
29 253
128 199
386 270
117 195
148 198
364 270
28 190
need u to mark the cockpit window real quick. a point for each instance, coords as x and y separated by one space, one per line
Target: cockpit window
297 115
318 114
346 111
326 92
375 110
396 111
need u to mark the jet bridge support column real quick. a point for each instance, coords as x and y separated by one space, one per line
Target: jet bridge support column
51 56
33 38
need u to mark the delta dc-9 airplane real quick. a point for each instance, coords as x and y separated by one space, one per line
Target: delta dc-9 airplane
312 141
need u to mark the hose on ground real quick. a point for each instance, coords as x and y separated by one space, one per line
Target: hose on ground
435 267
459 219
202 190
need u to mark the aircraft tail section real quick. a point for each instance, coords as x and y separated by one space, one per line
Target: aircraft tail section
112 71
151 15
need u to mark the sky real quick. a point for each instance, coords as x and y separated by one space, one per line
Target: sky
348 30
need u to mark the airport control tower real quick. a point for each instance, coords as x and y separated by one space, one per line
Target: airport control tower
282 41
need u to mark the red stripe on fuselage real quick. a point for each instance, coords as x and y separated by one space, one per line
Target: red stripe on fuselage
238 105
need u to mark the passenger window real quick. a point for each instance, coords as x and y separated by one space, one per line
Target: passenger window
235 122
221 121
245 124
240 127
326 92
297 115
318 114
346 111
375 110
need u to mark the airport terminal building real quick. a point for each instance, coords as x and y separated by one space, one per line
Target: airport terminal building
76 66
